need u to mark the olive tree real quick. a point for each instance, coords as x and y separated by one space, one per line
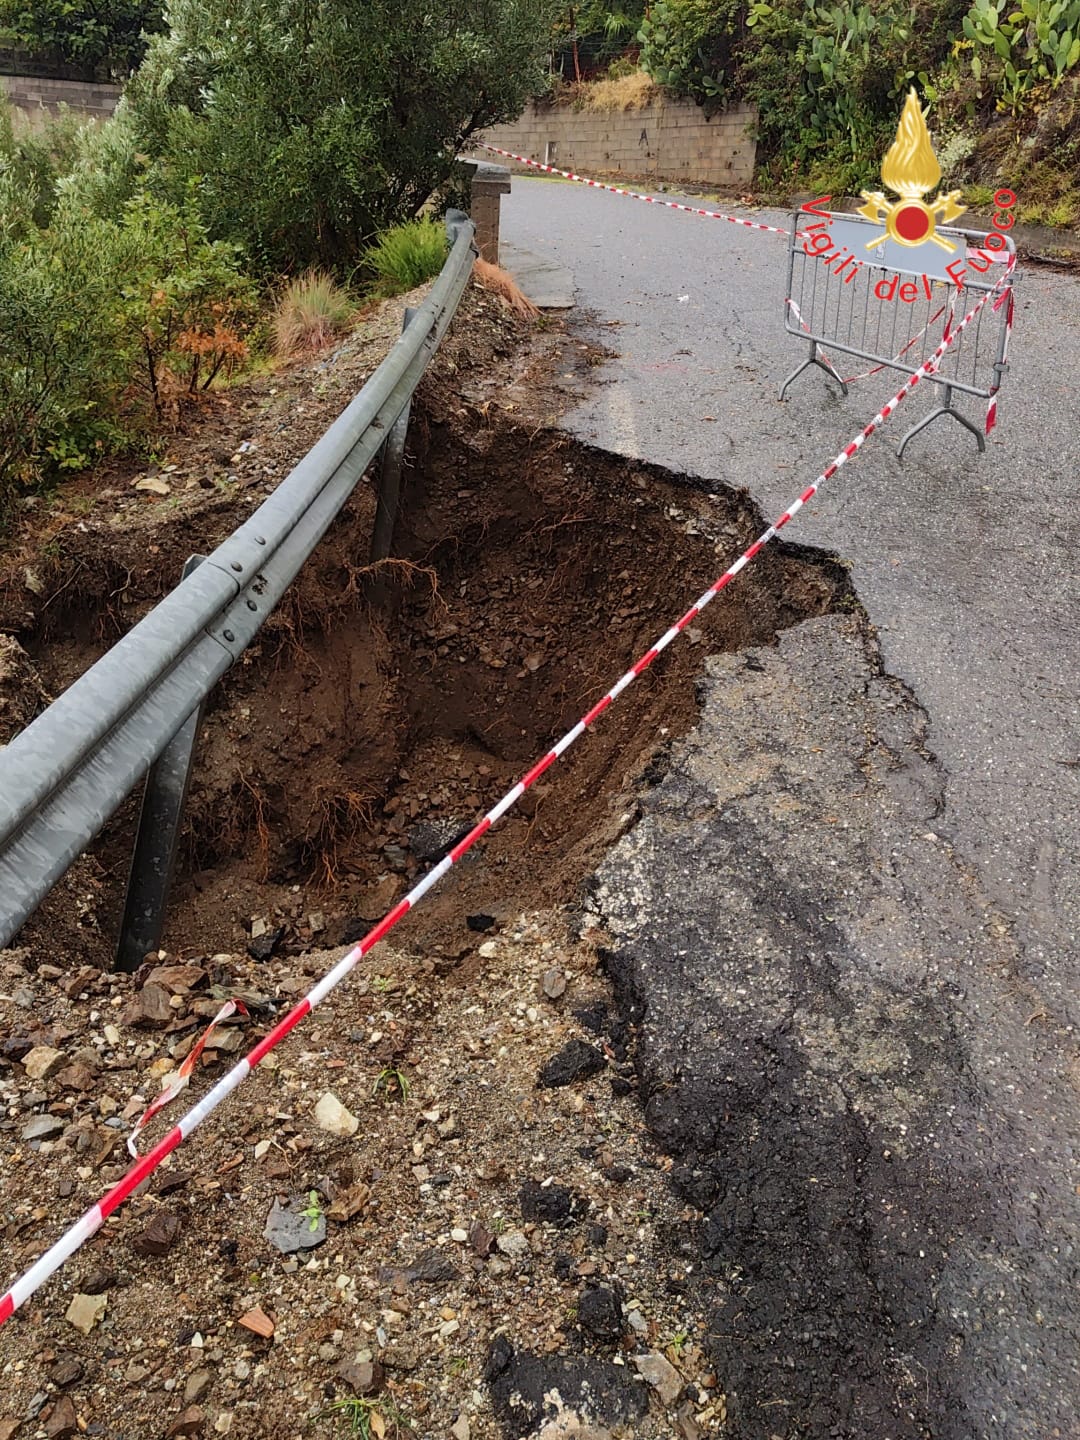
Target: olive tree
313 124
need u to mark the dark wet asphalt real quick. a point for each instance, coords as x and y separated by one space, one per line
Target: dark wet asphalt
922 885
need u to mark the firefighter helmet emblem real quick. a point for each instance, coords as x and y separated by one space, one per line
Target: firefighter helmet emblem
911 170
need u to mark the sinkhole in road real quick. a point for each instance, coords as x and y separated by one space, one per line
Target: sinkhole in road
356 740
528 573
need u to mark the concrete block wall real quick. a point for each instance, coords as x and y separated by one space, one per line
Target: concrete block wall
665 140
35 100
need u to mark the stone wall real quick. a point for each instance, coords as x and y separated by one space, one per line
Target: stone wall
665 140
36 99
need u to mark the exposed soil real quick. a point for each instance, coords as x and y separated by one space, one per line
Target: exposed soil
348 750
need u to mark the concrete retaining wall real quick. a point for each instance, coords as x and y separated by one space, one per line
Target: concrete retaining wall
665 140
36 99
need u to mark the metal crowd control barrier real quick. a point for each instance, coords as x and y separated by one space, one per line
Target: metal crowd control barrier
892 318
67 772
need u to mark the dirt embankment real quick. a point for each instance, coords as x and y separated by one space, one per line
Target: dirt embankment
497 1227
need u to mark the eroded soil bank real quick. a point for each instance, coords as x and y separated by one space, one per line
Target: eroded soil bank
499 1225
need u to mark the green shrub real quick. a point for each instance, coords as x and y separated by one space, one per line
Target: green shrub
315 127
104 325
408 254
62 364
100 35
186 306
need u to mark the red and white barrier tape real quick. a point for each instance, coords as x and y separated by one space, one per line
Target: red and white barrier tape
96 1216
866 374
1009 299
634 194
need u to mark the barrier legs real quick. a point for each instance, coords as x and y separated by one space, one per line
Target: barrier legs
822 364
945 408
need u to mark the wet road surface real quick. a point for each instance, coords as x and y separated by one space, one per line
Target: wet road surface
848 920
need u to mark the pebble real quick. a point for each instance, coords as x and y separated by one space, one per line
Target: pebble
661 1375
332 1116
196 1386
489 949
42 1127
85 1311
42 1061
554 983
637 1322
514 1243
460 1428
223 1423
461 1236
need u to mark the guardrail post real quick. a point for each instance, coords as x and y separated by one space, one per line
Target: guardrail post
389 492
153 859
489 183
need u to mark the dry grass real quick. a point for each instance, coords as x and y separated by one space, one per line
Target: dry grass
628 92
497 282
311 313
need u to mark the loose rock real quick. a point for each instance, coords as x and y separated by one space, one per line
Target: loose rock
196 1386
363 1377
62 1419
188 1422
42 1127
85 1311
577 1060
290 1230
159 1236
661 1375
42 1061
332 1116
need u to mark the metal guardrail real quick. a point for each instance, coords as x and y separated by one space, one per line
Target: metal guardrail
64 775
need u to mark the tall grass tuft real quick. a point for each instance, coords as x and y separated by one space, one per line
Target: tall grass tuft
311 312
408 254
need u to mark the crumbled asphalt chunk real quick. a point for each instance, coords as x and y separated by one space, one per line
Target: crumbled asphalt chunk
479 923
528 1389
551 1204
430 1268
159 1236
431 839
617 1174
593 1016
290 1230
577 1060
600 1314
264 945
66 1371
597 1235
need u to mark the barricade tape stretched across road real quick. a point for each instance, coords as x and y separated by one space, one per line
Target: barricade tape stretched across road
634 194
96 1216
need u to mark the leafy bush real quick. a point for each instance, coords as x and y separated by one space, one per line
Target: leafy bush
1030 42
61 364
310 312
313 128
186 305
408 254
688 46
99 35
104 324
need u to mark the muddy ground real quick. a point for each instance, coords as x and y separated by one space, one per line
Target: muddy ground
493 1238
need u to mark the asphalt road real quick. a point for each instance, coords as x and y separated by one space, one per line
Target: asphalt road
898 1255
